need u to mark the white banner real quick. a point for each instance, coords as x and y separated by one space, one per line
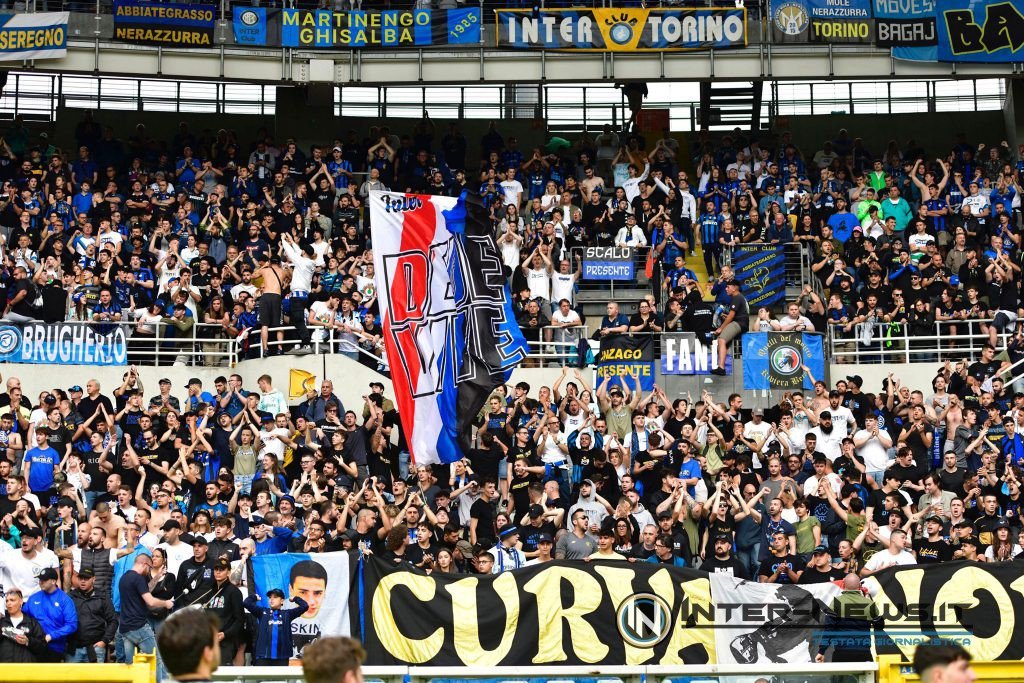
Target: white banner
767 622
33 36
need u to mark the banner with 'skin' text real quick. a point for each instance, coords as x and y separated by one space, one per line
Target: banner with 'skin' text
321 579
157 23
343 30
43 35
622 29
63 344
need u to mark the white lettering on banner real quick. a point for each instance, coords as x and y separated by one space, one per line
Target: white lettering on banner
687 356
920 31
71 345
600 270
904 8
607 253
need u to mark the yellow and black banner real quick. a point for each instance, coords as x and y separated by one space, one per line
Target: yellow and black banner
622 29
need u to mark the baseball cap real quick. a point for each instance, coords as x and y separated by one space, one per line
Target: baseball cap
855 379
48 574
507 530
275 592
615 390
170 524
86 573
545 538
193 380
834 394
933 518
536 511
825 415
256 521
723 537
819 550
199 540
165 381
664 514
267 418
971 540
75 388
222 563
758 411
1001 523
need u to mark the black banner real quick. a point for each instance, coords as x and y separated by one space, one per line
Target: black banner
976 605
625 355
569 613
155 23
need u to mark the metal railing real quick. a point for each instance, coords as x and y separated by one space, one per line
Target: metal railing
806 673
883 342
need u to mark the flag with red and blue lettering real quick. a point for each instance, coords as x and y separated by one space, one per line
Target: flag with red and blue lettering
450 333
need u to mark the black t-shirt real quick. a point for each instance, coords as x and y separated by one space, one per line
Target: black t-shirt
485 462
529 534
981 371
134 613
742 309
769 566
519 490
484 512
932 552
816 576
731 566
651 478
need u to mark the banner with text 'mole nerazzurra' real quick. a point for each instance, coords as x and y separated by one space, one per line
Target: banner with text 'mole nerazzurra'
449 330
63 344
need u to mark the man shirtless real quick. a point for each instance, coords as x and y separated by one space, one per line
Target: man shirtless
163 511
273 278
101 517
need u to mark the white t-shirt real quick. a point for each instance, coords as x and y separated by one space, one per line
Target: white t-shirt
272 442
562 287
552 453
873 453
756 432
919 241
322 312
829 444
884 559
513 190
842 420
978 203
176 554
22 572
539 282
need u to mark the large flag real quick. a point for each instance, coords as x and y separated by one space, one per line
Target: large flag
449 330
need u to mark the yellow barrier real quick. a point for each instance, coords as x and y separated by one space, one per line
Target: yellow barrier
141 670
893 669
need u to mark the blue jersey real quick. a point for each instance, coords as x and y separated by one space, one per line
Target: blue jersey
939 223
709 230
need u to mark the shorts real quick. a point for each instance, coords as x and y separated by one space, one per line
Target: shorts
731 331
269 311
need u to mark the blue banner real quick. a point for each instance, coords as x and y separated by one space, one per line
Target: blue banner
908 27
683 354
981 30
327 29
760 269
609 263
821 21
157 23
63 344
776 360
33 36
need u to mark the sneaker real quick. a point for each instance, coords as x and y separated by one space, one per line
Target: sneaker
718 371
302 350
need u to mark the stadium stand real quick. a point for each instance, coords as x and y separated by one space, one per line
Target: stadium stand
207 250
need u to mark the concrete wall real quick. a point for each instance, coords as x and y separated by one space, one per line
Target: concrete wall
937 136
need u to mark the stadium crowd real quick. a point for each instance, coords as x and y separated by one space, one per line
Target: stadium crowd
117 507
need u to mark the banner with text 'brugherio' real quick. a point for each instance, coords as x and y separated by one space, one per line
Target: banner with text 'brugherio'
345 30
